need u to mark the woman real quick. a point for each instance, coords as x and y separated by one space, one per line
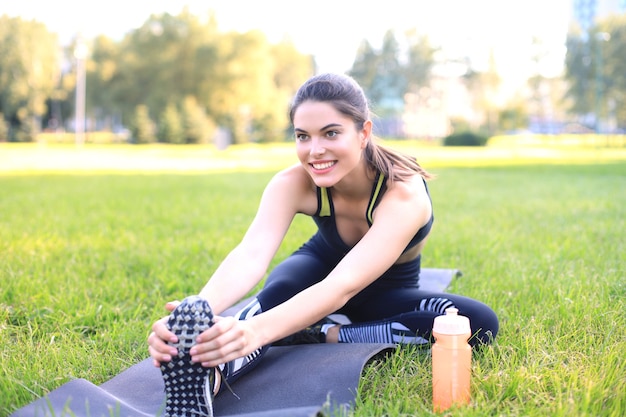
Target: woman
373 213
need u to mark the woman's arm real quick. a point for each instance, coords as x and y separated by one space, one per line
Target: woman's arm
403 210
288 193
246 265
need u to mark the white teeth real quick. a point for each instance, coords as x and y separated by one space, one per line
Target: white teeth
324 165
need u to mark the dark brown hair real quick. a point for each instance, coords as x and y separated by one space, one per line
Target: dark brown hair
348 98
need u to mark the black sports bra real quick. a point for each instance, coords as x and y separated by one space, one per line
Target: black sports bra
324 217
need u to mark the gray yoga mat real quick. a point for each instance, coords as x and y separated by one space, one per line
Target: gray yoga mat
291 381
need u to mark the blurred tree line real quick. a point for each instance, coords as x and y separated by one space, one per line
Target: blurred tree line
596 74
175 79
29 73
178 79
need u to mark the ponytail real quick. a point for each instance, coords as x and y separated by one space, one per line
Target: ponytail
395 165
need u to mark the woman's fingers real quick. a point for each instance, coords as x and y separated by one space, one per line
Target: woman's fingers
160 329
225 354
158 348
171 305
158 357
223 342
157 343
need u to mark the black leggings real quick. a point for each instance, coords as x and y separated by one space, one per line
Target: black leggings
395 296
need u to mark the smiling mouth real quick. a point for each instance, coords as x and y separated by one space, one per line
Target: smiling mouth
324 165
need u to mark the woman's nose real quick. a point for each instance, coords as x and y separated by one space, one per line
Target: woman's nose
316 147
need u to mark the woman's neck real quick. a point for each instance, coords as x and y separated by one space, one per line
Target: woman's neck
357 184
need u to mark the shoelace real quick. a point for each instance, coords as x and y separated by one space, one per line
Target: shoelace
223 379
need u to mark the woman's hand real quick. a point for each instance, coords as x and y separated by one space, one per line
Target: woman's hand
157 341
226 340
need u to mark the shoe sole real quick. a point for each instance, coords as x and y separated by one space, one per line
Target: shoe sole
188 385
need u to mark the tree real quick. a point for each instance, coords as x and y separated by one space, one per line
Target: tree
239 81
513 116
489 101
170 126
29 73
595 71
388 74
483 87
538 85
579 74
392 82
197 128
142 127
420 60
290 69
365 66
102 68
247 86
250 102
381 75
163 62
4 129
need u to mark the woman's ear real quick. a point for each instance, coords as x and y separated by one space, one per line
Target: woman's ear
366 133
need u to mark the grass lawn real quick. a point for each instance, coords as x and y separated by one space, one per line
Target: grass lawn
93 242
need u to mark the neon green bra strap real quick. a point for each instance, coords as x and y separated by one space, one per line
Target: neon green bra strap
324 203
379 185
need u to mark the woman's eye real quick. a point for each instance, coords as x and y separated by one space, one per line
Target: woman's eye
332 133
301 136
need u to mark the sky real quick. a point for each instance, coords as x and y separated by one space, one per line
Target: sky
332 30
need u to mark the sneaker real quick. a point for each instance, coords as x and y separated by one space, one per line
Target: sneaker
311 335
189 387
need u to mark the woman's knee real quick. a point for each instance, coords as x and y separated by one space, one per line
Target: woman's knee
485 326
291 276
483 320
277 292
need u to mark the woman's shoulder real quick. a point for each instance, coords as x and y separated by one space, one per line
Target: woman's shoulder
408 194
413 186
294 184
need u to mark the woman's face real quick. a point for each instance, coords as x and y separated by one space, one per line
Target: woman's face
328 143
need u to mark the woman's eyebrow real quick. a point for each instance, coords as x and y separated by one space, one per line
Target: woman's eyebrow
328 126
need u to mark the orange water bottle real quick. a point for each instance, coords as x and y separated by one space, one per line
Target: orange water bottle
452 360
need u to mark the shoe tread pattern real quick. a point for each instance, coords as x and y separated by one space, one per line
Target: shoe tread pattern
188 385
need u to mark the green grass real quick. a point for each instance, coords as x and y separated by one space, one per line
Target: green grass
87 262
544 246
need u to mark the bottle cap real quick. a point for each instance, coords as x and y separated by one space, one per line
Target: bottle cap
452 323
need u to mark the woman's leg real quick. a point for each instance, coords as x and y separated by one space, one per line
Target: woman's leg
406 315
394 310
